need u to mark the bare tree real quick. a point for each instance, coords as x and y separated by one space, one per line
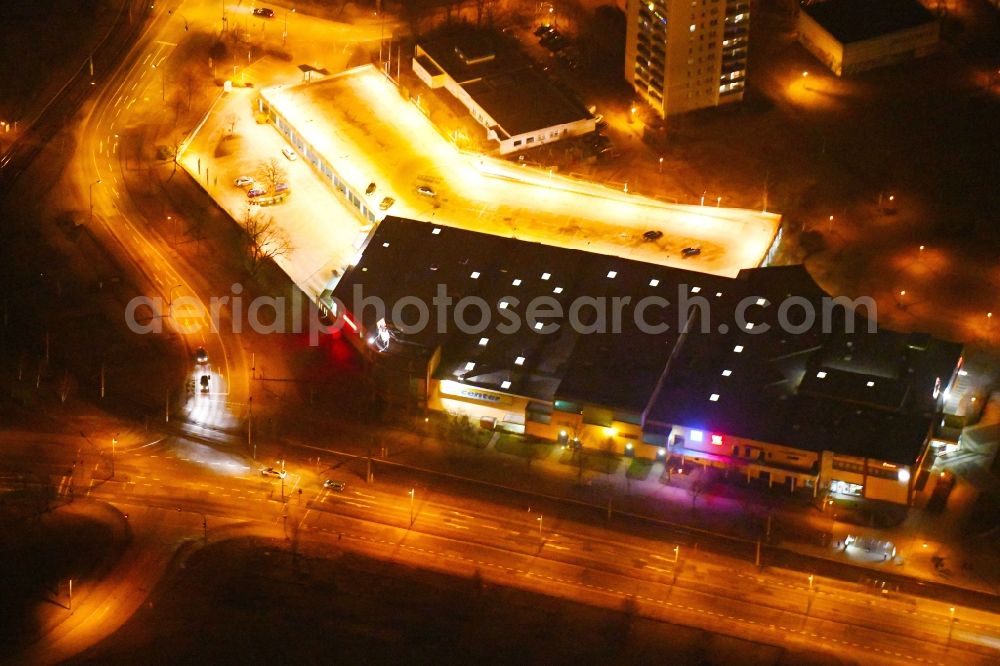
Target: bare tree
696 490
189 82
264 240
270 173
171 152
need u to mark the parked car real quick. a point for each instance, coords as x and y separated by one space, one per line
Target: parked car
201 356
289 153
549 36
557 43
426 191
652 235
256 192
386 203
281 187
330 484
542 30
598 140
243 181
263 12
691 251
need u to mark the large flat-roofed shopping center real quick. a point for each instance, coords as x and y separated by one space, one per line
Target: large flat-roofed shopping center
648 360
826 410
376 150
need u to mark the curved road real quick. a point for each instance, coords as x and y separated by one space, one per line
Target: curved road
170 487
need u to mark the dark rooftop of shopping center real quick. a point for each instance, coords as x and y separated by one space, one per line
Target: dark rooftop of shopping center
728 362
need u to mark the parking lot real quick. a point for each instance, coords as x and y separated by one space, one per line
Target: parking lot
322 230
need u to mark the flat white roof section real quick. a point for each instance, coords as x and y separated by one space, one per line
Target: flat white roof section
359 124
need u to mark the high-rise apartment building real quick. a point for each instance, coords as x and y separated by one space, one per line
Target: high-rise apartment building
682 55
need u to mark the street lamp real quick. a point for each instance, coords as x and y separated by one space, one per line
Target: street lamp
204 521
810 582
284 33
114 443
170 299
96 182
539 528
411 493
163 83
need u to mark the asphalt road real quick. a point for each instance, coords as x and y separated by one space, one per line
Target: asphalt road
172 486
180 294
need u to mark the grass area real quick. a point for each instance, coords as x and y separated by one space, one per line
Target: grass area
460 430
243 601
592 461
40 550
518 445
639 469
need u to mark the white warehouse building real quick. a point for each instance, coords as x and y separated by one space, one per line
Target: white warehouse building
516 103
